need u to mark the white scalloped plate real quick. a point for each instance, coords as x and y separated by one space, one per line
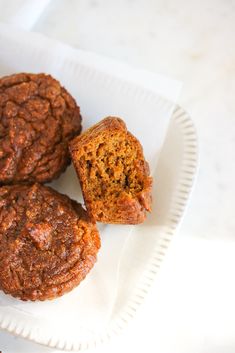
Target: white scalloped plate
101 91
175 176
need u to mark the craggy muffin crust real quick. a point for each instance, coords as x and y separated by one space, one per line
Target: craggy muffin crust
37 119
48 244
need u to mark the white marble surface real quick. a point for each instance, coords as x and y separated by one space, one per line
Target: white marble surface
191 306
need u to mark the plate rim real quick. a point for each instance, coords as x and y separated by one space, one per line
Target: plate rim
187 176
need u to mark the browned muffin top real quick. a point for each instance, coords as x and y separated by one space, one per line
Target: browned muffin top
47 242
37 119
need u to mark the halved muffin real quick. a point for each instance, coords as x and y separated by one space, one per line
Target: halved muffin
113 173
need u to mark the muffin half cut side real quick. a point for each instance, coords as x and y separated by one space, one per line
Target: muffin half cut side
113 173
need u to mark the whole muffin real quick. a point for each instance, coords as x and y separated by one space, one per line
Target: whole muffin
38 118
47 242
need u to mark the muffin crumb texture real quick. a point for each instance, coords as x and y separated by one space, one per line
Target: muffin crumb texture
113 173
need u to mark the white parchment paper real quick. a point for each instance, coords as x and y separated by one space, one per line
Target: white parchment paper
101 87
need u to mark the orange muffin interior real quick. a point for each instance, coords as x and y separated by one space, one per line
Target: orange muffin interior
113 173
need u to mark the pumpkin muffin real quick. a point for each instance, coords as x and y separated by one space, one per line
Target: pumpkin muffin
48 243
38 118
113 173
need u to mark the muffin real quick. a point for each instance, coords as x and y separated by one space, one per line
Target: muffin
48 243
113 173
38 118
